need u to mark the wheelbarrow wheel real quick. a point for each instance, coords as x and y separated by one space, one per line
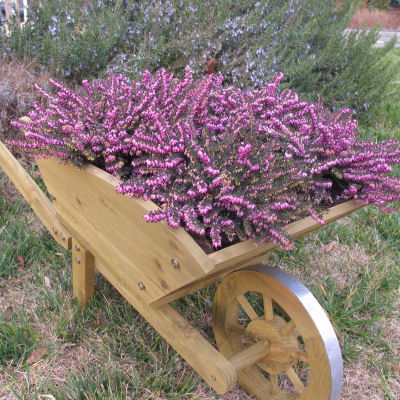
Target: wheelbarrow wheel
301 359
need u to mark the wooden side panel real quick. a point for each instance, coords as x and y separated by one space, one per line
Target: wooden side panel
40 204
112 228
249 252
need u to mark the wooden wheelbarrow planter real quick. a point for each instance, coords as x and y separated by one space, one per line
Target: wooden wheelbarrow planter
153 264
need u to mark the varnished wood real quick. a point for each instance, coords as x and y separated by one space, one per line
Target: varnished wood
250 355
294 378
230 342
288 328
247 308
208 362
268 308
82 273
31 192
248 252
148 248
112 227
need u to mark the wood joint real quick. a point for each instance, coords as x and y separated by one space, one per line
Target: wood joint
250 355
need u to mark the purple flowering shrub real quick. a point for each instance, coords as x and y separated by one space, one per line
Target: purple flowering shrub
226 164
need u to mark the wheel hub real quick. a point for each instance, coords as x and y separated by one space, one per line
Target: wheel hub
282 346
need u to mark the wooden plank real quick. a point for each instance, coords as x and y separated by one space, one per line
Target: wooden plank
89 205
82 273
248 252
40 204
208 362
250 355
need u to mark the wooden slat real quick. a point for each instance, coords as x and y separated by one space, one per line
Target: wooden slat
102 219
40 204
249 252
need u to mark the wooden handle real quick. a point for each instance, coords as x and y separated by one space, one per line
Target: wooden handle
40 204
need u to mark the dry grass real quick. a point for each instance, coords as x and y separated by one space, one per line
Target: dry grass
361 379
18 93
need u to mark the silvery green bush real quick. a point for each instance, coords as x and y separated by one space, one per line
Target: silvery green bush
74 39
252 40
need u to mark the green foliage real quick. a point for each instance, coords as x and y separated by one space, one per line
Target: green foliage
15 343
252 41
72 39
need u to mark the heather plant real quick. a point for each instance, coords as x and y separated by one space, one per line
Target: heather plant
251 41
73 39
225 163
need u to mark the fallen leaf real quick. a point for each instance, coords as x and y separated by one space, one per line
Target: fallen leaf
328 247
47 281
21 262
7 314
36 355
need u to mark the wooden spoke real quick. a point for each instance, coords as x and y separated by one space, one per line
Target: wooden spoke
294 378
273 380
268 308
300 355
247 308
288 328
250 355
238 329
310 364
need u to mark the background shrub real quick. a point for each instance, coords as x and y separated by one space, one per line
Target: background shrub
72 39
251 41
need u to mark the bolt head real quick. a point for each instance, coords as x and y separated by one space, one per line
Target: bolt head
78 260
77 247
175 263
141 286
55 231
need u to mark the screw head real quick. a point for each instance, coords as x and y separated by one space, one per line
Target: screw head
77 247
52 197
213 377
62 237
55 231
175 263
78 260
141 286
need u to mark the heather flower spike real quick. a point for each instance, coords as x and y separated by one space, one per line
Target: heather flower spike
224 163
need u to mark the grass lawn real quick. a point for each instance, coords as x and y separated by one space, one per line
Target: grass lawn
51 349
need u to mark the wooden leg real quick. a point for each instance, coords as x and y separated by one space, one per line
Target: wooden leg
82 273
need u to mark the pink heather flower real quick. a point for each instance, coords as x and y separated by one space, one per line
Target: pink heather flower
223 163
